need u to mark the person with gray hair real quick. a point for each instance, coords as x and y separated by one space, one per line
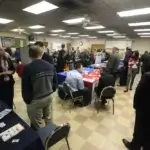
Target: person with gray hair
38 84
113 62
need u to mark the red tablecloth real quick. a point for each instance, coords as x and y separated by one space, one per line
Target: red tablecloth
91 78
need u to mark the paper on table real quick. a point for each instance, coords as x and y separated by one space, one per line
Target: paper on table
11 132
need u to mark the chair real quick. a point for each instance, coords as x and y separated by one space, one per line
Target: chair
70 94
51 134
109 93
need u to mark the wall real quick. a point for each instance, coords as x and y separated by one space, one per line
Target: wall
53 43
86 43
141 44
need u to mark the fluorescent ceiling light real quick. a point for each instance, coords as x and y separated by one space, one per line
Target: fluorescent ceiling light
134 12
92 37
36 27
74 21
139 24
38 32
53 34
58 30
84 35
145 36
18 30
106 31
94 27
73 33
120 36
147 33
5 21
65 36
74 37
141 30
40 7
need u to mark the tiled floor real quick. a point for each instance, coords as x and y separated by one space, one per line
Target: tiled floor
89 130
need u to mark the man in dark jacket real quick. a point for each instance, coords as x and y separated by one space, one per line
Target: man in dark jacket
38 84
105 80
145 59
141 136
45 56
113 62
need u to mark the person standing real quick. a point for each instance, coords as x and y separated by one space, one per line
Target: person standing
141 135
113 62
145 60
38 80
61 59
132 70
45 55
6 79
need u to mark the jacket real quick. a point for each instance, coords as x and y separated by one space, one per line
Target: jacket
47 58
38 80
142 94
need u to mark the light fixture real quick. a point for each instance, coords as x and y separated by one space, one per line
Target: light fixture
119 36
58 31
17 30
84 35
65 36
141 30
74 21
148 36
75 33
38 32
134 12
36 27
92 37
74 37
106 31
40 7
139 24
5 21
94 27
147 33
53 34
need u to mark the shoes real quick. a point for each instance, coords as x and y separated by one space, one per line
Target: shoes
126 91
126 144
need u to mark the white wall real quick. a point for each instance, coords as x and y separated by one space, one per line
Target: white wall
54 43
141 44
87 43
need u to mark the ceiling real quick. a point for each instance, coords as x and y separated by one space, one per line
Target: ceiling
100 11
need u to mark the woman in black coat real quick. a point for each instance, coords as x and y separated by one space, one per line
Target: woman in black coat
6 79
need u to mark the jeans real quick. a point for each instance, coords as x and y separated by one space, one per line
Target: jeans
130 78
40 109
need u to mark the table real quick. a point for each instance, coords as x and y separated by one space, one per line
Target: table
89 76
28 138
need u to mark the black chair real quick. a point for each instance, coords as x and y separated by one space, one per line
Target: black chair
108 93
51 134
70 94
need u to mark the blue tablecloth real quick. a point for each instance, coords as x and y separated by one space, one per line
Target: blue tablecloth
62 75
103 65
28 138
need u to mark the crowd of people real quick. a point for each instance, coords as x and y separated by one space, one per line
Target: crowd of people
39 82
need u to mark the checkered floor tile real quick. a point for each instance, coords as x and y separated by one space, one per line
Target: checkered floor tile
89 130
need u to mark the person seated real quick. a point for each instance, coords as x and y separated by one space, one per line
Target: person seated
105 80
75 80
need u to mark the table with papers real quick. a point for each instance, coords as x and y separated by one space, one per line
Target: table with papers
15 134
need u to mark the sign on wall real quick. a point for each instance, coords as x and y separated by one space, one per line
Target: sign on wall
8 41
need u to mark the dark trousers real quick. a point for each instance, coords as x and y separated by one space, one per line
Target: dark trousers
7 93
141 135
86 93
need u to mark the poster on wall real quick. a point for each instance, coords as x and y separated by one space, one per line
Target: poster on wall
8 41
